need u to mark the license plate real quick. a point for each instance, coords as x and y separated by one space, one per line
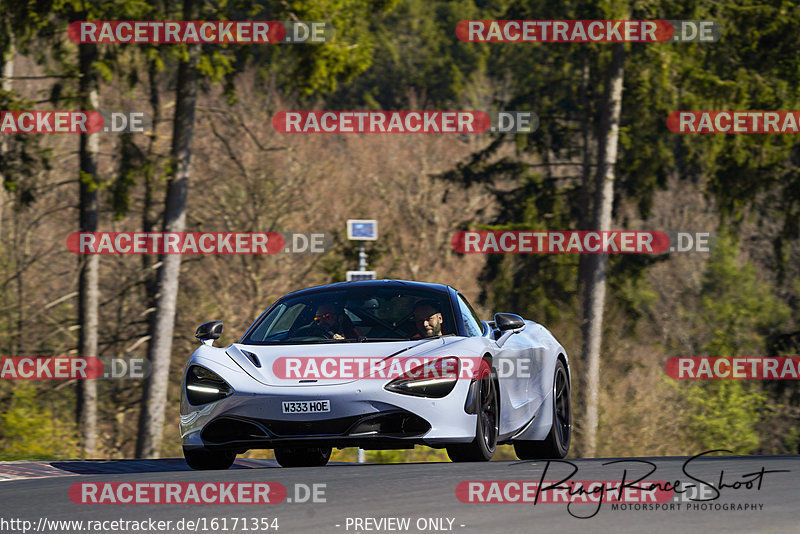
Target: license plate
318 406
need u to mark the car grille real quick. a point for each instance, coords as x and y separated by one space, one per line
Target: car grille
391 424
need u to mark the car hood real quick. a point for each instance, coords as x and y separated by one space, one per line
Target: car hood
268 355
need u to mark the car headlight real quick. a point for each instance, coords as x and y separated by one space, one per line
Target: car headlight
204 386
433 379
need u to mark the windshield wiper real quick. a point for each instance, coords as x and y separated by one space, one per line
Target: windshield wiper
301 342
364 339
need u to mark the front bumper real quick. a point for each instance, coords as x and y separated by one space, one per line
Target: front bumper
363 414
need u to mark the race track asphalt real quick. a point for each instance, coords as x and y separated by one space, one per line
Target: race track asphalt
380 498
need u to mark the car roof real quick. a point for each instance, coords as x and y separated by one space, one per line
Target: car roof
374 284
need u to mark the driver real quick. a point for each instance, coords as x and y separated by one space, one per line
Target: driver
333 319
428 319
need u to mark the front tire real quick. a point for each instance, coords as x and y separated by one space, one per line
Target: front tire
483 446
302 456
205 459
556 444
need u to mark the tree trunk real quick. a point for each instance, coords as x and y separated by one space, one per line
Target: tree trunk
151 421
587 186
88 291
148 219
7 72
598 263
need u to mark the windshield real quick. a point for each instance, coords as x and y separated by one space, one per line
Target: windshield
355 315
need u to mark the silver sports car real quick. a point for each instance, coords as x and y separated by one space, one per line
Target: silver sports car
381 364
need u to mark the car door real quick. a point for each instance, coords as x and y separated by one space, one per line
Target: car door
515 354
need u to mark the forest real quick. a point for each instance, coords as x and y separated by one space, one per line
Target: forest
603 157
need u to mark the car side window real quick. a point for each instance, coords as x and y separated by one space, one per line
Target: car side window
471 321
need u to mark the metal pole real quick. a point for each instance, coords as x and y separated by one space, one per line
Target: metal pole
362 258
362 266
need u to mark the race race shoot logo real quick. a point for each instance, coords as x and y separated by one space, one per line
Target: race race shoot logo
44 122
199 32
734 122
177 493
120 243
400 122
578 242
632 487
570 492
588 31
72 368
735 368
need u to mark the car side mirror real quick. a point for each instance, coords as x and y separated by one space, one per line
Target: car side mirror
208 332
508 321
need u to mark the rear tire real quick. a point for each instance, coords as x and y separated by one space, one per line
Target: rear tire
483 446
302 456
205 459
556 444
